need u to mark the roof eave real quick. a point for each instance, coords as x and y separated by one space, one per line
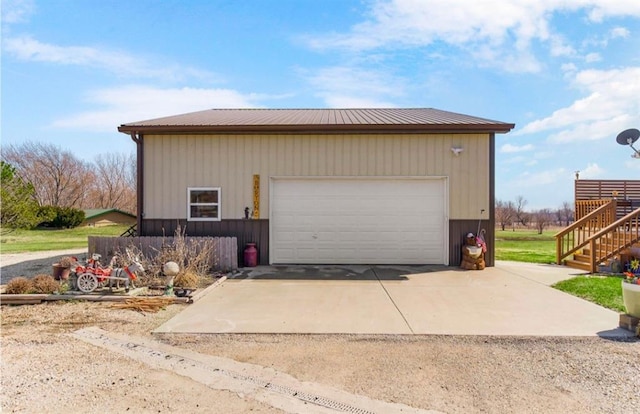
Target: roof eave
316 129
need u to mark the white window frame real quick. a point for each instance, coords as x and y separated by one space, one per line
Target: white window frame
190 204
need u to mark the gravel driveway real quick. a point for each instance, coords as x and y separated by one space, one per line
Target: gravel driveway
43 369
33 263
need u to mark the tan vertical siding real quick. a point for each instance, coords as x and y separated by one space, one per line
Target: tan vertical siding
173 163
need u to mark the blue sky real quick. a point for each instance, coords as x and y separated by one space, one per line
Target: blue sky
566 72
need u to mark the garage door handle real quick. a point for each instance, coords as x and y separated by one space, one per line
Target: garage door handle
315 236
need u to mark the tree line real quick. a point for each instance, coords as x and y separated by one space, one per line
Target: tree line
40 180
512 213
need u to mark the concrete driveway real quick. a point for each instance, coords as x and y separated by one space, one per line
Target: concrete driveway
508 299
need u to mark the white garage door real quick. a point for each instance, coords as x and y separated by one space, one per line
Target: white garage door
358 221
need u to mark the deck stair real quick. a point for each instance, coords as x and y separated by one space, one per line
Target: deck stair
597 237
131 231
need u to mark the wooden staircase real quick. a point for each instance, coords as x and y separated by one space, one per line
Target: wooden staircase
131 231
597 237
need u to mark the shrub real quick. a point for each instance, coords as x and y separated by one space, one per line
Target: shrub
45 284
47 214
63 217
19 286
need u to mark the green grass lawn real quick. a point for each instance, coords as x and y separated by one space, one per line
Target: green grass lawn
604 290
20 241
526 246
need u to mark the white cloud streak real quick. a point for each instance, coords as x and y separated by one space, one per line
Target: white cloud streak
611 105
539 178
135 103
121 63
509 148
494 33
591 171
16 11
349 87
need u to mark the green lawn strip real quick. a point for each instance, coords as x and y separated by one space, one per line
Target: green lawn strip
526 246
526 235
526 251
21 241
603 290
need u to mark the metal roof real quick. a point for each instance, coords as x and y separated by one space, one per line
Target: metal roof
317 121
95 212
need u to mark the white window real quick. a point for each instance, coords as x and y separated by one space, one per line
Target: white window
203 204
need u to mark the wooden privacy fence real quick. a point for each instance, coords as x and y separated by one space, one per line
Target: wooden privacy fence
224 258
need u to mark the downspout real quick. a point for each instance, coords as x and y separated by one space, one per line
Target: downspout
139 139
492 200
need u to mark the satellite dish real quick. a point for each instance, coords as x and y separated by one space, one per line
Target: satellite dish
628 137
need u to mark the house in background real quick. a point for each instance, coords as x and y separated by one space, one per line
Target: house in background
321 186
107 217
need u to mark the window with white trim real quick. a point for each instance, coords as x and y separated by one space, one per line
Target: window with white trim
203 204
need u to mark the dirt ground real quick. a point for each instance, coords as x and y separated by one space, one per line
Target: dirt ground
43 369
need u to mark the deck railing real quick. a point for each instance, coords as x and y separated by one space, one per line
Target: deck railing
586 207
612 239
577 235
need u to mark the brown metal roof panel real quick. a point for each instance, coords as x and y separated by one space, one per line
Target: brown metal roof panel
316 117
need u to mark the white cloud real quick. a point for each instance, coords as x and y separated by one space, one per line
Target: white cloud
16 11
591 171
495 33
135 103
350 87
617 32
610 105
601 9
513 159
118 62
592 57
632 165
540 178
508 148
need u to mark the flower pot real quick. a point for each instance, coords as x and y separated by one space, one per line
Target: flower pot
631 298
61 272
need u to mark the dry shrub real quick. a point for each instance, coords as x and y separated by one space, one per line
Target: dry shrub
187 279
195 259
19 286
67 261
45 284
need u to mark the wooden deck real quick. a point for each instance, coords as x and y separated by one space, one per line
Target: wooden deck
607 224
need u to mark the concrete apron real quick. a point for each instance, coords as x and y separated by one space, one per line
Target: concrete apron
509 299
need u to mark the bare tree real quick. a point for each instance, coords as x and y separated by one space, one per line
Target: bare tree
522 216
505 213
58 177
114 182
543 218
565 214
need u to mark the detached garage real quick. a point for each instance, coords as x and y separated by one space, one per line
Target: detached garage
321 186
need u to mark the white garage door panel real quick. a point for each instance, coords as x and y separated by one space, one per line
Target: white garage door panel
364 221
